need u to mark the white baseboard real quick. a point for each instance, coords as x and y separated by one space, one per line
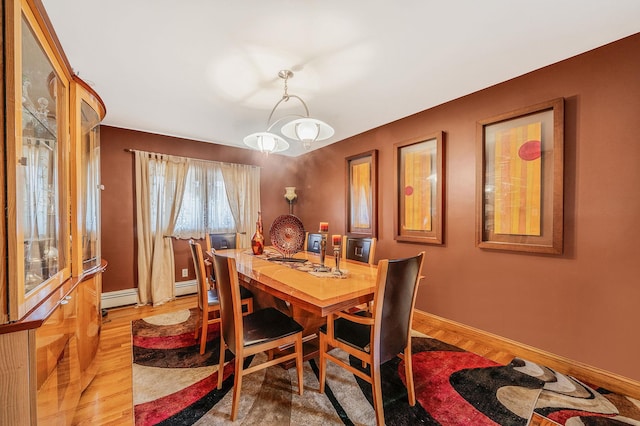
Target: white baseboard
129 296
113 299
186 287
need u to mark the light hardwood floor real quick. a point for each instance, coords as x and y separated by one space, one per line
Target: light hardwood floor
108 399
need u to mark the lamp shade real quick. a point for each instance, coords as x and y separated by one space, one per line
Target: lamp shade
290 193
266 142
304 129
307 130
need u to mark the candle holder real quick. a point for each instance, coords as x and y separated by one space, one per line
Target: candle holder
336 254
323 247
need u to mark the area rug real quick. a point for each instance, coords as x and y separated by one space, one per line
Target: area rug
174 385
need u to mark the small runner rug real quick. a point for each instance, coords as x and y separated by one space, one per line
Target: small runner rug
174 385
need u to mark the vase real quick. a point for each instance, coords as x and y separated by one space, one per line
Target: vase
257 241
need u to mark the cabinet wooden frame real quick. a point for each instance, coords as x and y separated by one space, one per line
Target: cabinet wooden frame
4 312
519 182
362 194
418 215
50 325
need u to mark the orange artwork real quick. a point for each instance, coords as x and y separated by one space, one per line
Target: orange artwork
361 195
417 188
518 189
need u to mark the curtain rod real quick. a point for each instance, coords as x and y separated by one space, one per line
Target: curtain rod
190 158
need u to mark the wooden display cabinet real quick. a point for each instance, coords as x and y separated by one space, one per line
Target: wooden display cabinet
51 280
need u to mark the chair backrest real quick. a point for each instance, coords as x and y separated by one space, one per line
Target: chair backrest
313 242
229 297
222 241
201 275
394 300
359 249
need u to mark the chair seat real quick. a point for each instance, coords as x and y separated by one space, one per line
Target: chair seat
267 324
351 333
212 297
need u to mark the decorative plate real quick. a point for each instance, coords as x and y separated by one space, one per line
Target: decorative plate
287 234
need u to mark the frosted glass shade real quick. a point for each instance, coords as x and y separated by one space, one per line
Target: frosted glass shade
307 130
266 142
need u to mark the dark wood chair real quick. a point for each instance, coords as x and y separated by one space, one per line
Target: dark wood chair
359 249
222 241
208 303
263 330
312 242
379 336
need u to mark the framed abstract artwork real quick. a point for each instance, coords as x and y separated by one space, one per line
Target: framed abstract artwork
519 193
419 188
362 194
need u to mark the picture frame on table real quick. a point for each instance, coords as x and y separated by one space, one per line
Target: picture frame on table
419 176
520 174
362 194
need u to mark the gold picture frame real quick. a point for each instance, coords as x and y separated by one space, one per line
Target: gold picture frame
419 182
362 194
520 167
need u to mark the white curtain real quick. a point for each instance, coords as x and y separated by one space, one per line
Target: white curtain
160 183
191 222
186 198
242 185
90 179
205 207
229 196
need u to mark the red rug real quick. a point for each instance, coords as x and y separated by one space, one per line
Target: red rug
174 385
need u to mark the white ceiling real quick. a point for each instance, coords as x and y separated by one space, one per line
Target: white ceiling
207 69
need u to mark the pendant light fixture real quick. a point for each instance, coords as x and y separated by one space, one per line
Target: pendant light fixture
304 128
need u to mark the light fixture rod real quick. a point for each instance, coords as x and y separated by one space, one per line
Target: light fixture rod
285 99
286 75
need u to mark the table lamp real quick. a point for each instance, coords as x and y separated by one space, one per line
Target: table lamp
290 195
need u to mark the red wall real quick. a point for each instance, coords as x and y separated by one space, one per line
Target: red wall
581 304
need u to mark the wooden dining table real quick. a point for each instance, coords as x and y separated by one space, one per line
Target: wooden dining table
299 291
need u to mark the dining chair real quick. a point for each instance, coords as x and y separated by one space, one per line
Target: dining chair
208 302
263 330
378 336
359 249
222 241
219 241
312 242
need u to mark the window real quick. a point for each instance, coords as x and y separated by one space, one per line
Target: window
205 207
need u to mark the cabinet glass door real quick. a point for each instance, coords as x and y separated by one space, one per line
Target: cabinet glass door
90 185
41 187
